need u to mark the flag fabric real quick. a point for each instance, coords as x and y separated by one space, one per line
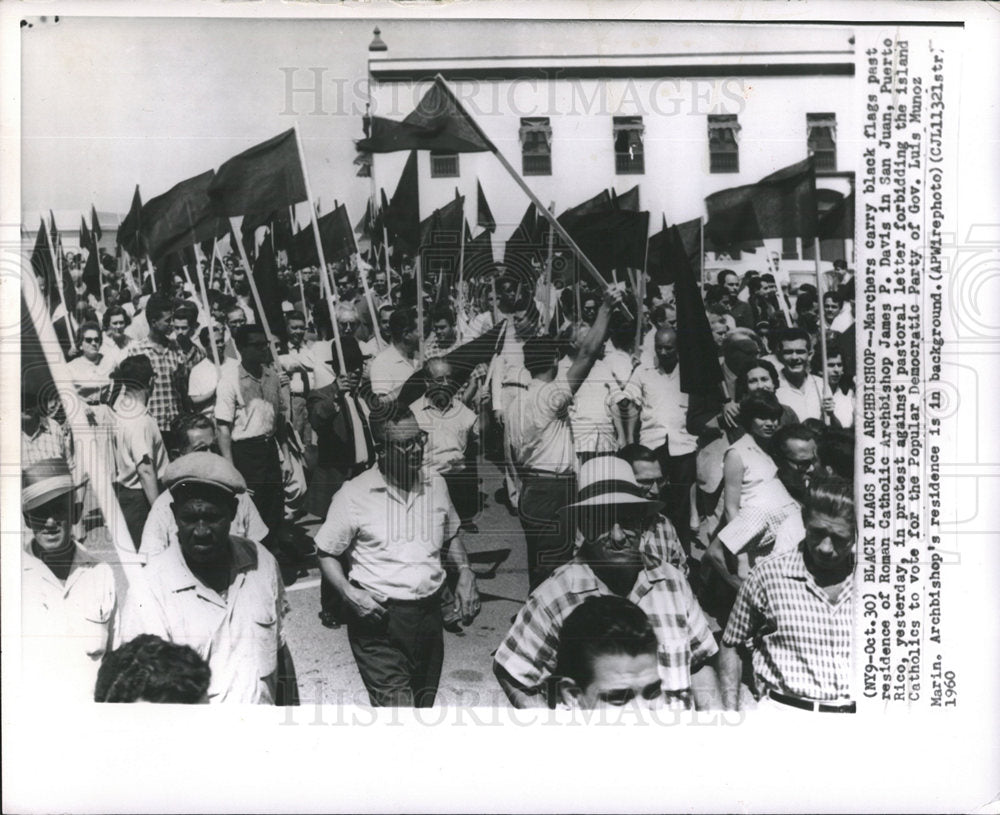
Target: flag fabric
441 238
264 178
84 235
462 359
180 217
484 216
838 221
660 264
528 242
439 122
92 273
599 203
700 370
402 216
478 261
265 276
41 264
130 236
628 200
615 239
95 225
68 284
781 205
336 234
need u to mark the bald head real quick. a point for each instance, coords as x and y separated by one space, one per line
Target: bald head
438 368
665 346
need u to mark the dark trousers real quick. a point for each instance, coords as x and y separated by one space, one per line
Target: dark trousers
680 473
400 656
135 507
549 541
258 463
463 488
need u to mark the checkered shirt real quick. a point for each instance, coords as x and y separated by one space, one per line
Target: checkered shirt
50 440
660 544
530 649
165 400
801 642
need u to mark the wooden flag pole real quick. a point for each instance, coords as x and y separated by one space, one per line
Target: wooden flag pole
459 297
57 274
328 285
302 295
701 253
208 311
272 341
420 310
546 314
640 297
780 294
363 276
822 329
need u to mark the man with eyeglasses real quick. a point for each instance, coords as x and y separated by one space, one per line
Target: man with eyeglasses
195 433
394 522
611 516
68 596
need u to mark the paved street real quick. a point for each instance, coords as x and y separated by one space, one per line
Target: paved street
323 659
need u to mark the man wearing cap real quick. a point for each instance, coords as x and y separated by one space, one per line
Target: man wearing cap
611 515
68 598
394 524
795 614
216 592
195 433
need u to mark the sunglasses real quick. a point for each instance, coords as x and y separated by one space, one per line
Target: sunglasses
410 445
598 522
90 340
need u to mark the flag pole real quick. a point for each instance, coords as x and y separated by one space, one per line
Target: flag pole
640 296
459 298
548 274
328 285
302 294
822 326
272 341
701 254
97 259
420 310
780 294
560 230
57 274
208 309
363 275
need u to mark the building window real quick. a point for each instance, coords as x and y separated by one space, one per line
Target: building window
821 136
723 144
444 165
629 156
790 249
536 146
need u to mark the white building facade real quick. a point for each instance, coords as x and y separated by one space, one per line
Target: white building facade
714 109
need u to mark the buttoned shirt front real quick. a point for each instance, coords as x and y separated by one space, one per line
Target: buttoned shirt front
390 369
89 377
164 401
530 650
664 411
239 633
250 404
298 363
448 432
66 627
801 641
160 530
806 400
393 538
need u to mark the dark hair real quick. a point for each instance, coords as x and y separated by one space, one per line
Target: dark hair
759 405
389 412
150 669
741 380
187 310
792 432
133 371
720 278
767 277
779 338
805 301
241 336
836 451
446 313
89 325
183 422
294 314
832 294
601 626
401 321
157 306
115 311
636 452
540 354
831 496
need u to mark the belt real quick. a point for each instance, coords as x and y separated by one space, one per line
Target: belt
527 471
810 705
430 600
253 439
513 385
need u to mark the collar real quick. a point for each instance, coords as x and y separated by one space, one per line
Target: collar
793 566
379 484
43 427
181 578
82 559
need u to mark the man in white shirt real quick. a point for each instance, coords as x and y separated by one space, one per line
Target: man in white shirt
798 389
663 428
546 451
393 366
298 362
394 523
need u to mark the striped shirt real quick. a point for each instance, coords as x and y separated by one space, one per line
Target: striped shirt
530 649
801 642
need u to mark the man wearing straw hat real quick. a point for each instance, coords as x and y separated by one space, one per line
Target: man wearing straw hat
68 597
611 514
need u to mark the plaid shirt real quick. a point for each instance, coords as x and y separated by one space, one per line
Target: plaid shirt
164 400
50 440
530 649
802 643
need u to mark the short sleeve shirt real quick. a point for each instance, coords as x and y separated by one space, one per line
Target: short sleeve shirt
393 540
447 433
530 650
238 634
664 411
251 405
164 401
390 369
546 434
137 439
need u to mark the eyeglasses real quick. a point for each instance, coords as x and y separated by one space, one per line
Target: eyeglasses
90 339
597 522
58 511
411 444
